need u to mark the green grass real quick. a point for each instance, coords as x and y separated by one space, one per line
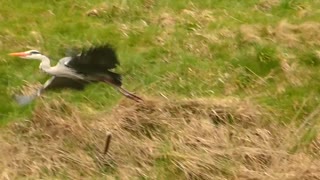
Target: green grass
201 55
53 26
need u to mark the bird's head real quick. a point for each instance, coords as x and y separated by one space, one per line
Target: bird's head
31 54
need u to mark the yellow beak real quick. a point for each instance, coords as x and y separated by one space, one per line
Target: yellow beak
19 54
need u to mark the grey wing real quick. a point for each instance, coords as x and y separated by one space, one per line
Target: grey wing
64 61
72 52
63 82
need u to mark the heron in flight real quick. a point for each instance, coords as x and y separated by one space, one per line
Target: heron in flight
77 71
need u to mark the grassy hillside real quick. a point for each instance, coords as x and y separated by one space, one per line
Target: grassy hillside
263 49
265 52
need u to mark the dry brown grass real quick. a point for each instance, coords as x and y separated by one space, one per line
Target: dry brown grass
193 139
28 88
266 5
284 33
293 35
294 74
250 33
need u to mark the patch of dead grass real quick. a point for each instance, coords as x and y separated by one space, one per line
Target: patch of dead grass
266 5
295 74
99 9
202 17
167 22
196 139
284 33
292 35
250 33
290 68
29 88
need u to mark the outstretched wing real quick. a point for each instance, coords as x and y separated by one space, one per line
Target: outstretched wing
63 82
94 60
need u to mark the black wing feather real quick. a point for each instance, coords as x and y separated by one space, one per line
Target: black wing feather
95 60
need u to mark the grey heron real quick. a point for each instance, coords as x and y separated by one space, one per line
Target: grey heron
76 71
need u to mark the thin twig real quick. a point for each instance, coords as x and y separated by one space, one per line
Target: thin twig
107 143
164 96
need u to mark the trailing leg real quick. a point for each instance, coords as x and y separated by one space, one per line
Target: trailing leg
129 94
123 91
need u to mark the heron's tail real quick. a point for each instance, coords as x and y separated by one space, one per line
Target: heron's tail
115 78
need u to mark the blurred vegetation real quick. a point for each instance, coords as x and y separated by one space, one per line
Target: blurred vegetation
267 51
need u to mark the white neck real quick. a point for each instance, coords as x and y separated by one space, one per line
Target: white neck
45 63
56 71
